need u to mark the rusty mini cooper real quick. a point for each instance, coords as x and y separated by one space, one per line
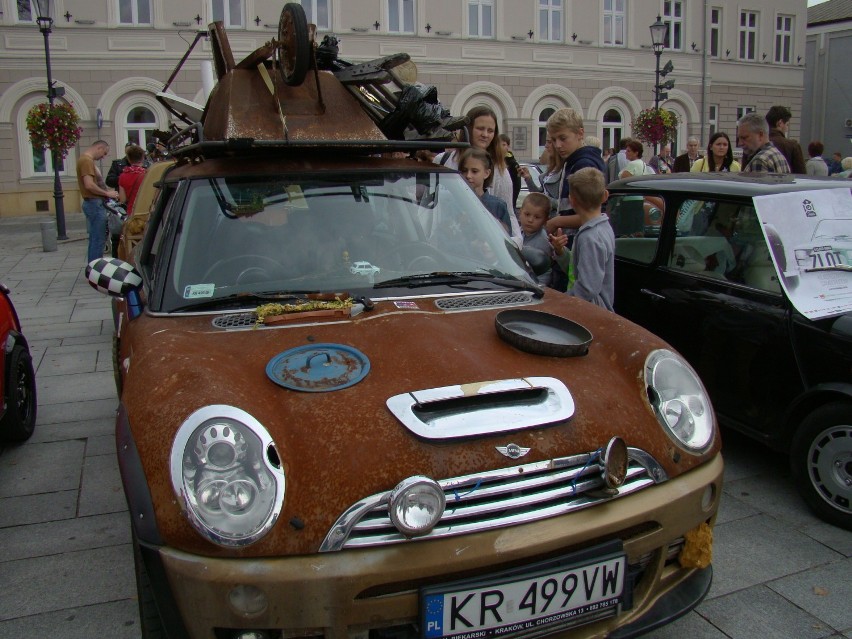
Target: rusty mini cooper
434 447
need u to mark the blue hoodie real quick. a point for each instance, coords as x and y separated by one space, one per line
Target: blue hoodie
583 157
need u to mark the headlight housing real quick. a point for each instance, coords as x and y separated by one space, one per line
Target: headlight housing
227 474
679 400
416 505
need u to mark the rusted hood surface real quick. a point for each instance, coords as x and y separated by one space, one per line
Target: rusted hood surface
340 446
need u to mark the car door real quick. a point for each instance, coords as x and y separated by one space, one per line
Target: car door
702 279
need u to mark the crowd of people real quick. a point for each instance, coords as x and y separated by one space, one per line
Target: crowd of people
563 213
121 184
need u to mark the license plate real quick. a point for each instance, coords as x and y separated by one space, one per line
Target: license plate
825 257
570 591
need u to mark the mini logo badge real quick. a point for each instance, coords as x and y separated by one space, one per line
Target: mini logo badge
512 451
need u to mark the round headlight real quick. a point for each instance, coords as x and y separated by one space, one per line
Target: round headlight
227 474
679 400
416 505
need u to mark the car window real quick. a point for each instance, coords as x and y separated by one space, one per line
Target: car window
636 222
722 240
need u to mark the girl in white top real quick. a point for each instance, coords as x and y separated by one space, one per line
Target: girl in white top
483 133
635 164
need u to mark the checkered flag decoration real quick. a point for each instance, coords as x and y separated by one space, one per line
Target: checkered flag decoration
112 276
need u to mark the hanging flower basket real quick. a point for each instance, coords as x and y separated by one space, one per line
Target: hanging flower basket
655 126
54 127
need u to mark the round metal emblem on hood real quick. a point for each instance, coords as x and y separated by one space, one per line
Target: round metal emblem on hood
512 451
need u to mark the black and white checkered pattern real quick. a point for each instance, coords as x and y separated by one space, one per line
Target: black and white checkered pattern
112 276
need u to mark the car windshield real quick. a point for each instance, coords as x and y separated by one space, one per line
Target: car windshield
244 237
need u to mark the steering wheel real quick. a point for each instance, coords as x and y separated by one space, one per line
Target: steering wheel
417 256
242 269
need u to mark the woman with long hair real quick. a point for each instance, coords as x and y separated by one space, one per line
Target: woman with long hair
484 133
720 156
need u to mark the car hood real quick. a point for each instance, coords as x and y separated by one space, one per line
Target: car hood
338 447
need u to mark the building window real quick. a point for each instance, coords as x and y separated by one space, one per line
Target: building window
612 129
480 18
713 119
550 20
26 11
134 11
673 17
316 11
742 110
228 11
613 23
541 128
715 32
139 126
748 35
783 39
401 16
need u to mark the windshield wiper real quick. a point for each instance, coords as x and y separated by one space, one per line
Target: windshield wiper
240 299
455 278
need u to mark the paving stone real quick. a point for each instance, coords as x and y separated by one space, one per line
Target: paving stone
86 577
32 469
100 427
100 445
757 549
63 330
691 625
731 509
72 388
62 363
762 491
68 535
832 536
825 592
91 314
747 458
83 410
760 612
116 620
33 509
96 341
101 490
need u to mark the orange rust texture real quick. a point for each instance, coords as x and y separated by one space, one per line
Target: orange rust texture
340 446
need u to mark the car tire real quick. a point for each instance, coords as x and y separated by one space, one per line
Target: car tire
294 44
151 624
821 462
18 422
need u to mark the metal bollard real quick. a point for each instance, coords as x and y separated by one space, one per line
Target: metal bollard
48 236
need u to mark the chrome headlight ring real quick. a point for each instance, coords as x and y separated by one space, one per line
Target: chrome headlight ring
227 474
679 400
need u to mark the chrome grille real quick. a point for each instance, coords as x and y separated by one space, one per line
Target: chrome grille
484 301
499 498
235 320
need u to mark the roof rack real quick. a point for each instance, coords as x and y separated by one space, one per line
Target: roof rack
292 94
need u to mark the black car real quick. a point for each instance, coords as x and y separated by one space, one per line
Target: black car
692 265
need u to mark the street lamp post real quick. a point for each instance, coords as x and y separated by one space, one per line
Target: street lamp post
45 24
658 41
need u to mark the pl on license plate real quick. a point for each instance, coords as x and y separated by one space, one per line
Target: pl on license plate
523 602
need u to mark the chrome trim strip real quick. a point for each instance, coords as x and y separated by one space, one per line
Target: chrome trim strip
575 482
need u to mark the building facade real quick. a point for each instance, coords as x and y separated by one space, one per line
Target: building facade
827 108
523 58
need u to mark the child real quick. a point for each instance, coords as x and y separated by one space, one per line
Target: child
592 260
476 168
533 216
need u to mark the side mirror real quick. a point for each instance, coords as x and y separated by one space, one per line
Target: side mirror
538 260
113 277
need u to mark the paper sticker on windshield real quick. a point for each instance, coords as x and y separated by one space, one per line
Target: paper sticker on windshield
195 291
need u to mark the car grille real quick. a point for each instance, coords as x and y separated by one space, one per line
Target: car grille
235 320
499 498
484 301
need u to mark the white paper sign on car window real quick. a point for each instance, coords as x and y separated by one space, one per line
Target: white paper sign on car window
810 238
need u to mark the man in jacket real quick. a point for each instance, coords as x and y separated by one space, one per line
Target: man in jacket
778 118
683 163
753 137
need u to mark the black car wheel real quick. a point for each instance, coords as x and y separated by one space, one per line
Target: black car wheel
294 44
19 420
822 462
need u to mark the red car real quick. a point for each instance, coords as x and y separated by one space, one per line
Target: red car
17 378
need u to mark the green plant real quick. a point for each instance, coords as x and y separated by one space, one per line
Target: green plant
54 127
655 126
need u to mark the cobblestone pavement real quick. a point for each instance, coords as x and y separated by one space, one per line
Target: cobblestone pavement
66 565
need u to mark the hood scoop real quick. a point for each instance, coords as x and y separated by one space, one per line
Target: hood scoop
483 408
494 300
